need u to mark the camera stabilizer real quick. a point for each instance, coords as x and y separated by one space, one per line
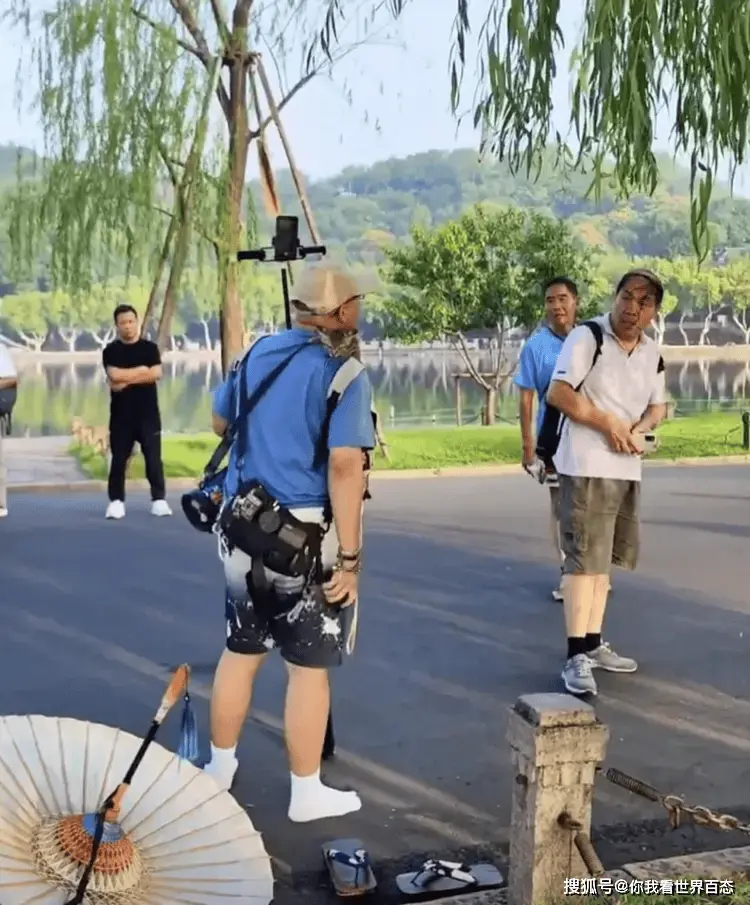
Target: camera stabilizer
286 247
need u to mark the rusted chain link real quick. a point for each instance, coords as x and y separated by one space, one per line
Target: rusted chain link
675 805
583 844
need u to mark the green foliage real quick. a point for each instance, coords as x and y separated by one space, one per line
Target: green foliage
485 270
630 62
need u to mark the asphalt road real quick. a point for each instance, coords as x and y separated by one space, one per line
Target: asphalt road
457 622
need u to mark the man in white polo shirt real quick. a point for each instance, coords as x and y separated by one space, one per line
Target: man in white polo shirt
8 381
610 395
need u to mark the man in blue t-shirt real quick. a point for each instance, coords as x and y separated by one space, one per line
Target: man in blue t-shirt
535 368
282 452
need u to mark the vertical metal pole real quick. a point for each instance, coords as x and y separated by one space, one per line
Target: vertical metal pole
746 430
287 303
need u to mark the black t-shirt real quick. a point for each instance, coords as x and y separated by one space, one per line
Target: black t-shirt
140 402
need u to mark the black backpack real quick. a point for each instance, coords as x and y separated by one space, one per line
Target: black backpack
553 421
8 398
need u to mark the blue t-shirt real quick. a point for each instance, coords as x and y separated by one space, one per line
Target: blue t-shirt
536 366
284 428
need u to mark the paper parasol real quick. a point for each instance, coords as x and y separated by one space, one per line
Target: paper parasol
172 838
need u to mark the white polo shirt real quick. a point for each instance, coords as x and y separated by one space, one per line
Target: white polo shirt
621 383
7 368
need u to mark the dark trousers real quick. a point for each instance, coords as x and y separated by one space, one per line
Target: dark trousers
123 435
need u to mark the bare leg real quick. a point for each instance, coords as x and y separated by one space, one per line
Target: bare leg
598 605
305 717
230 703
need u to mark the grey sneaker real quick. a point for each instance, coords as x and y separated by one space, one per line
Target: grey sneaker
605 658
557 594
578 677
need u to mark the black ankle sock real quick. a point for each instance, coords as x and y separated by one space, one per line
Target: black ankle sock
592 642
576 646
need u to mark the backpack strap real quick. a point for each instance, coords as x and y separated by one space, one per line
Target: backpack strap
346 375
596 329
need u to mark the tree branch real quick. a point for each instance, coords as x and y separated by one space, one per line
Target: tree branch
189 21
220 19
256 133
464 352
190 48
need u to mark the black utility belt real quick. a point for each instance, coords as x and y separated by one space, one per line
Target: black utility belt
258 525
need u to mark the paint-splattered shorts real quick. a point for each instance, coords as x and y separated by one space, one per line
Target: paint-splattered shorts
308 631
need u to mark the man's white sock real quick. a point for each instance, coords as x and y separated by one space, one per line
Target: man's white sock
312 800
222 766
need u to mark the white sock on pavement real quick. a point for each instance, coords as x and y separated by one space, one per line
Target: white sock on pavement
312 800
222 766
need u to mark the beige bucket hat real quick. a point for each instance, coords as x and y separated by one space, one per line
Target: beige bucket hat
324 288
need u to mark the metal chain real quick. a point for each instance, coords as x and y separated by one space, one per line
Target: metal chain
675 805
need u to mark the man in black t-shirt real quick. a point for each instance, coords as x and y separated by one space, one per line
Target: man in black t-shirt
133 367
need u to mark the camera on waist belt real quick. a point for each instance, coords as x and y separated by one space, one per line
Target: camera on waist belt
258 525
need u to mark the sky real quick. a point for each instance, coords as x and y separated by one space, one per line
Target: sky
400 97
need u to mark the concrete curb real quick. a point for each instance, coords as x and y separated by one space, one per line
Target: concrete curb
459 471
720 865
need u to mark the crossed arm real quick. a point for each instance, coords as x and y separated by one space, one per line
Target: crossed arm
6 383
120 378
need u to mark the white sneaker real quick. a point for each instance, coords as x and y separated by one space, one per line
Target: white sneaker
3 511
160 508
116 509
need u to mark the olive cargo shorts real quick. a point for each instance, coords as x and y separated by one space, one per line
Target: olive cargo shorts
598 524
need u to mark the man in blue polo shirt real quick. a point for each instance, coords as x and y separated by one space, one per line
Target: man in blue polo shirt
320 482
534 374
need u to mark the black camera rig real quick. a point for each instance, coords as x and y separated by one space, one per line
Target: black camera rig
285 247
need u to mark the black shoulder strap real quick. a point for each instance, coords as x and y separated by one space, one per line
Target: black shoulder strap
596 330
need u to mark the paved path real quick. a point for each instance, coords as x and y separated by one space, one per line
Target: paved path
456 623
40 460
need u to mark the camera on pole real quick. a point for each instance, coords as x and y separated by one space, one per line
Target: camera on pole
285 248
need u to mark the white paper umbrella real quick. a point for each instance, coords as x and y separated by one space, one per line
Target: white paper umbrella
172 838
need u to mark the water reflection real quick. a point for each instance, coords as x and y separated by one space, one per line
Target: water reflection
411 389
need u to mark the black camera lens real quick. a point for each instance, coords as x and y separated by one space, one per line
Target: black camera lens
269 521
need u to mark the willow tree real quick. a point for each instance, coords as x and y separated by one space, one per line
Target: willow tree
121 89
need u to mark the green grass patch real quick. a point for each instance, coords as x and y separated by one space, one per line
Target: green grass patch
704 435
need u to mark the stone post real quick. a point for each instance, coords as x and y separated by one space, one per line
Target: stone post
556 743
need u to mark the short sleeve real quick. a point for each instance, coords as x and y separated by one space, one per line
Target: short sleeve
351 422
153 355
659 388
224 397
108 356
526 374
576 357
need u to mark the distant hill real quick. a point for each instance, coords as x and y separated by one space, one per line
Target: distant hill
361 208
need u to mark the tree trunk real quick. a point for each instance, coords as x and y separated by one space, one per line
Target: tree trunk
660 326
164 330
684 335
231 321
741 322
32 341
703 339
150 311
490 406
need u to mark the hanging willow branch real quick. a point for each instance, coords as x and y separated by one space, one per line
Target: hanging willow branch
684 60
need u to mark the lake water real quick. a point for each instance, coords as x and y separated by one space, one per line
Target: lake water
412 389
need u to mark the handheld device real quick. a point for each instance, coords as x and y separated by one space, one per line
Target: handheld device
286 247
650 443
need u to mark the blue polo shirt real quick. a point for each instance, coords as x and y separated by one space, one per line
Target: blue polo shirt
536 366
284 428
